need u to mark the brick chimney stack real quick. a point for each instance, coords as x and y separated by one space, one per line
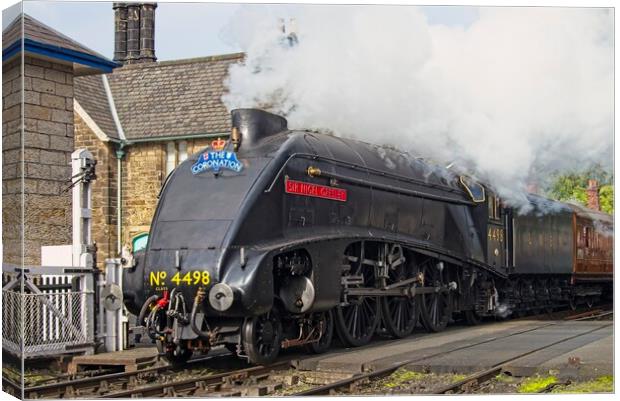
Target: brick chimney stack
593 198
134 32
532 188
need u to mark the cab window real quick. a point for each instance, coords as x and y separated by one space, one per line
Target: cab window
473 189
139 242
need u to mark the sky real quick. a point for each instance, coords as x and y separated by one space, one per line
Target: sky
504 92
182 30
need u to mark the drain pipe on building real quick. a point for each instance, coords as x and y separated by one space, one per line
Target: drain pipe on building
120 153
116 322
119 157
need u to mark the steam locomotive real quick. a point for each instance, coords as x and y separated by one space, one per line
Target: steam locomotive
276 238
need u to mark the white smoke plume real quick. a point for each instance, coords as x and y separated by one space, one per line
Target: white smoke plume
520 93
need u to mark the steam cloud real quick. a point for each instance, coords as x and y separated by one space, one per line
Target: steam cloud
520 93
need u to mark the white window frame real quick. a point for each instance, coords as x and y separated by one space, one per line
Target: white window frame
171 157
182 151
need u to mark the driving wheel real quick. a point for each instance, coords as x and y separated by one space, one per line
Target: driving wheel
435 307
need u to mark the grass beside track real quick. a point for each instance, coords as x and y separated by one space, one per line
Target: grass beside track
535 384
603 384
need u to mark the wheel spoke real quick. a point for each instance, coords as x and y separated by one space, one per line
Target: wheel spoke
355 314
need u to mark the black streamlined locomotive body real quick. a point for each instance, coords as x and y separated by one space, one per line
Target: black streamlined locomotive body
278 238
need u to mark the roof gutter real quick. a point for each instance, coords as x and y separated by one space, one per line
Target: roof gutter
177 137
60 53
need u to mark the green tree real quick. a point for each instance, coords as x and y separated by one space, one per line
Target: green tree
569 188
606 194
572 187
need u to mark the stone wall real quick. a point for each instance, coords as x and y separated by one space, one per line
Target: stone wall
144 169
46 156
103 190
11 162
48 144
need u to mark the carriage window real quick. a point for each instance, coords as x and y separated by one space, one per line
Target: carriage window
475 190
495 211
587 232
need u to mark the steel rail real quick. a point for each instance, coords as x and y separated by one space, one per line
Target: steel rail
596 316
584 314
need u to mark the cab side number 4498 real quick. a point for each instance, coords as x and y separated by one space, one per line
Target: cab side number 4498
189 278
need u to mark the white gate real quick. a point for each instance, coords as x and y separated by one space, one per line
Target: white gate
47 310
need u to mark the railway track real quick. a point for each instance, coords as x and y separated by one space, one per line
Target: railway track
348 385
161 381
477 379
92 384
193 379
242 382
594 314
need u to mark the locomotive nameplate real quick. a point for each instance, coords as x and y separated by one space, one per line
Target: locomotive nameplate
315 190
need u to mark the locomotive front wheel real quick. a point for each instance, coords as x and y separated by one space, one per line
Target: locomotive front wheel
324 321
436 307
261 338
400 314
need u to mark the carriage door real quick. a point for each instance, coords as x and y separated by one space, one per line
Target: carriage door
496 233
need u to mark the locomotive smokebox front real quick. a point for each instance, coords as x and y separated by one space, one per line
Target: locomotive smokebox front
197 248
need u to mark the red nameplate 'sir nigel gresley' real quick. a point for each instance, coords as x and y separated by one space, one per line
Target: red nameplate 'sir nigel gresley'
315 190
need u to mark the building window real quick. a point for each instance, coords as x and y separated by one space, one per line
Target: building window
171 157
182 151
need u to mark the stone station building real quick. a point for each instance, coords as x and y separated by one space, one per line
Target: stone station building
144 119
39 68
135 115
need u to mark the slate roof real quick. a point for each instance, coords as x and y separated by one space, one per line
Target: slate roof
162 99
38 31
90 94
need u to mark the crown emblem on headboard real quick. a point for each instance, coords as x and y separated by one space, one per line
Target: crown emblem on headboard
218 144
